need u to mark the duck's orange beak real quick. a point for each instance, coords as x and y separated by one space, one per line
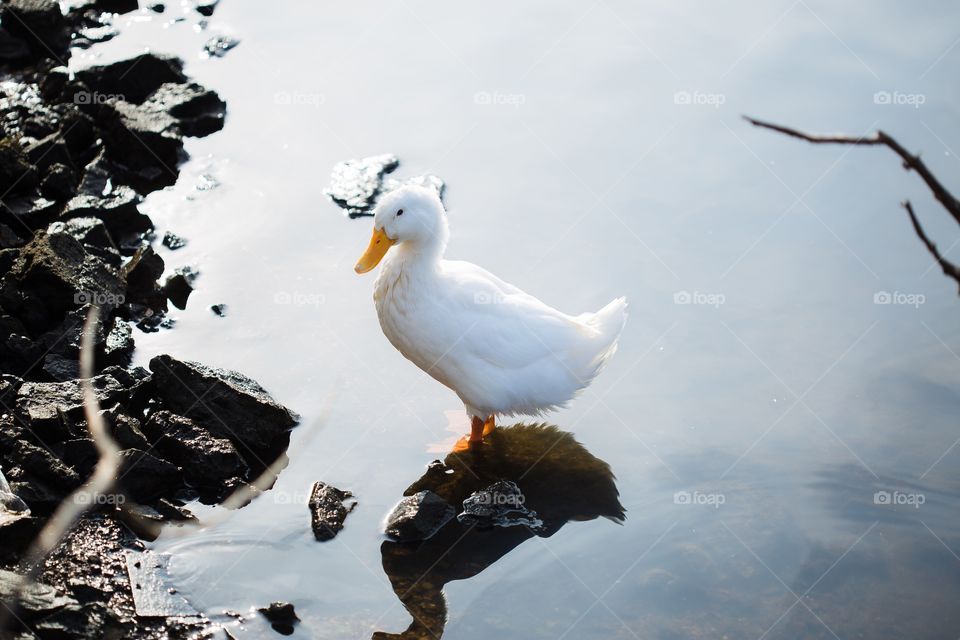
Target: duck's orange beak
379 244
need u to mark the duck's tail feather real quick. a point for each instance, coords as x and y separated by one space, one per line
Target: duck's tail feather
608 323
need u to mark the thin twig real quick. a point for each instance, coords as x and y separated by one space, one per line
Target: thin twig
948 267
910 161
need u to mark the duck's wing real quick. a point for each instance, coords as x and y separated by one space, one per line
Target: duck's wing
504 325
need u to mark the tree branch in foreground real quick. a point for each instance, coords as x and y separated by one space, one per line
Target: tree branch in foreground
910 162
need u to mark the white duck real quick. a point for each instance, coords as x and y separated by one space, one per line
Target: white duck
502 351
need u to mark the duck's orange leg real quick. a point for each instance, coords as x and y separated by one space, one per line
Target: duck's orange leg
489 425
477 429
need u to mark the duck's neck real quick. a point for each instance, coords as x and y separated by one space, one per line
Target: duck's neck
422 253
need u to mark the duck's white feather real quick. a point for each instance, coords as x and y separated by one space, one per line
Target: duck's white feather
500 349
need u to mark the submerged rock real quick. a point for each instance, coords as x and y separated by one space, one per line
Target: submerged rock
172 241
281 617
355 184
328 510
499 505
419 516
218 46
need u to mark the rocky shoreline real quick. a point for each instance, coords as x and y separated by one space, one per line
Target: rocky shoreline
78 154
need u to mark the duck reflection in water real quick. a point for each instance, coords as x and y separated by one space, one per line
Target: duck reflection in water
558 481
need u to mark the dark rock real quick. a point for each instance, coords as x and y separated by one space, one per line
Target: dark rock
172 241
52 275
355 184
59 183
100 196
499 505
281 617
29 210
174 512
12 48
218 46
17 174
42 405
206 7
177 289
230 404
37 599
142 272
133 79
53 82
156 7
17 531
145 477
126 431
81 454
116 6
219 309
327 510
40 23
207 461
145 140
61 368
48 150
88 231
9 238
119 344
419 516
196 110
42 464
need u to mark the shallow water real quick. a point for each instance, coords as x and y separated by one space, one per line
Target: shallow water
781 400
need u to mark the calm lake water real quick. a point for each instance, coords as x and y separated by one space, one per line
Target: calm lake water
785 445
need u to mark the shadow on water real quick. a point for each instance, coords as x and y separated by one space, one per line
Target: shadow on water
559 479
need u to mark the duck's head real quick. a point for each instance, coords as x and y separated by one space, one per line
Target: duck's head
411 217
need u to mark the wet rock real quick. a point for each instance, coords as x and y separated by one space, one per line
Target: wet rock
172 241
17 174
88 231
219 309
12 48
328 510
61 368
197 111
206 7
281 616
43 465
219 45
134 79
116 6
39 23
59 182
177 288
43 405
10 502
145 477
119 345
126 431
499 505
142 272
54 274
419 516
17 531
208 462
99 196
355 184
231 405
146 141
37 599
80 454
9 238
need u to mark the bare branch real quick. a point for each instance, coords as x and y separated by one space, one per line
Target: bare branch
910 161
948 267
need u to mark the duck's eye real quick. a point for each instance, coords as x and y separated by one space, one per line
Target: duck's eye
399 212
